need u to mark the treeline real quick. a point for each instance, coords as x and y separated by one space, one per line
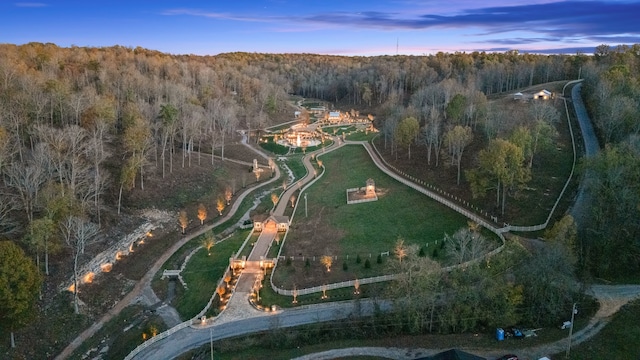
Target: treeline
610 242
90 121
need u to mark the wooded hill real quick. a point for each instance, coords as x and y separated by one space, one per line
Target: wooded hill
81 126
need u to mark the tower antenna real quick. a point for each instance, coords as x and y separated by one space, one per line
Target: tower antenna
397 43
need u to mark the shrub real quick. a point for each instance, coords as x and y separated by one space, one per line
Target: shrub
422 253
379 259
345 267
367 264
358 260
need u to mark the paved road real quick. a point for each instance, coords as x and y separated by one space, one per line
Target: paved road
611 298
580 208
189 338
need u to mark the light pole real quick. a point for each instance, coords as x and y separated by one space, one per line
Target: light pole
306 213
573 313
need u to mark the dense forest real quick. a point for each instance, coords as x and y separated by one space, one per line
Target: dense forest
80 127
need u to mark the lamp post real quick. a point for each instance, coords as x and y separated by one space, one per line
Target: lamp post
573 313
306 213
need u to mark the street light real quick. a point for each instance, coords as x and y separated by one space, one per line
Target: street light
306 213
574 311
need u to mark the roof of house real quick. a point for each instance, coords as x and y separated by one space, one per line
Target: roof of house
266 217
453 354
544 91
334 113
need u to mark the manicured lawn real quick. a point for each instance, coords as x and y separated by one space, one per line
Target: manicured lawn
274 147
361 136
339 129
373 226
202 274
294 163
367 229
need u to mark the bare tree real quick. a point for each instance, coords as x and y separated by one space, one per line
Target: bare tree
227 122
465 245
78 233
457 139
26 180
7 224
168 115
400 250
432 135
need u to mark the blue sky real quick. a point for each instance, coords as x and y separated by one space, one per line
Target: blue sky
346 27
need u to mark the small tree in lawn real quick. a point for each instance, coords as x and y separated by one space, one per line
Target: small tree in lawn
208 241
292 199
327 261
220 205
274 198
202 213
400 250
227 195
183 220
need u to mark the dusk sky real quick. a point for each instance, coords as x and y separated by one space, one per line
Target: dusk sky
346 27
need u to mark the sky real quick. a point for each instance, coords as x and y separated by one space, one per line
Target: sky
344 27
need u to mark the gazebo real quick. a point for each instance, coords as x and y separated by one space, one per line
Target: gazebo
370 189
270 222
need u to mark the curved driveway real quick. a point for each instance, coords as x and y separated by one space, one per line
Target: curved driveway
580 208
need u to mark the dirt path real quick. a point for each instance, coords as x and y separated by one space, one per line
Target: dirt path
145 281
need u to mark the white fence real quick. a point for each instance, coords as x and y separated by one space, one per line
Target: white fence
157 338
440 199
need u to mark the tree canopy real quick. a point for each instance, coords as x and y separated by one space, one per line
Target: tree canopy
19 286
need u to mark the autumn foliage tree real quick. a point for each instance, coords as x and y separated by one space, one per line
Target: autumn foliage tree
228 194
208 241
202 213
327 261
220 204
183 220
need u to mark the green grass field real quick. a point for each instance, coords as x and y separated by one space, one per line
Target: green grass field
202 274
373 226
